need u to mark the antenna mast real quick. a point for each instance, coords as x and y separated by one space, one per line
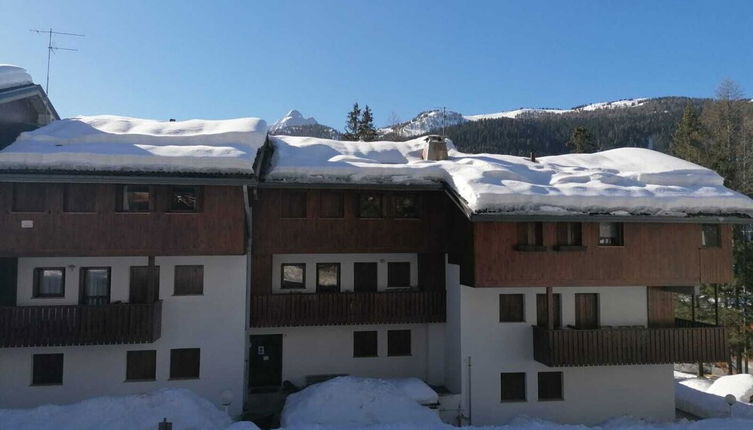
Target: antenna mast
52 48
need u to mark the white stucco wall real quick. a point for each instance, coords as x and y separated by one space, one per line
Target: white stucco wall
327 350
214 322
591 394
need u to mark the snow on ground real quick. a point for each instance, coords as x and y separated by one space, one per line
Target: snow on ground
612 105
183 408
355 402
117 144
692 396
13 76
623 181
740 386
513 114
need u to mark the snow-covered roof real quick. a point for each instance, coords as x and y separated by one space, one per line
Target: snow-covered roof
624 181
120 144
13 76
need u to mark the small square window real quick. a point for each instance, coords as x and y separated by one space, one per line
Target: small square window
398 343
405 205
331 204
610 234
530 236
29 197
189 280
513 387
134 198
711 236
80 198
47 369
365 344
398 274
141 365
294 204
49 282
550 386
328 277
184 199
370 205
185 363
569 234
511 308
293 276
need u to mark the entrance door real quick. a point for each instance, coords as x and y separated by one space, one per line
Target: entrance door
587 311
265 361
139 285
365 277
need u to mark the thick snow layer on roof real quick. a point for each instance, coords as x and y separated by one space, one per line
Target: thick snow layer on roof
13 76
121 144
624 181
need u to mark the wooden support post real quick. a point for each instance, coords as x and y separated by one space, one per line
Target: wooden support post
151 281
549 308
716 304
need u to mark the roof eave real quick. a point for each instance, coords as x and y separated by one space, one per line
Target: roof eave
695 219
133 178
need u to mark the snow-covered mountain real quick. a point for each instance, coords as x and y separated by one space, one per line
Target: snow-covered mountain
292 119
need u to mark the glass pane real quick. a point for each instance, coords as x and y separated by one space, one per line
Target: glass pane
136 198
184 199
405 206
370 206
96 286
51 282
328 274
293 275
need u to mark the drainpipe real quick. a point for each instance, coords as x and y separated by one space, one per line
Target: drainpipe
249 239
470 403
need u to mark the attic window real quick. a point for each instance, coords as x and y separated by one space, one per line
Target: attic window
569 236
610 234
530 236
711 236
184 199
370 205
134 198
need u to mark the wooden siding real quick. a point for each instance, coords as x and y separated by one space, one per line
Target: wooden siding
686 343
654 254
219 228
24 326
293 310
661 307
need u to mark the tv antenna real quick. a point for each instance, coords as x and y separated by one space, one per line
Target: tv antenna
52 48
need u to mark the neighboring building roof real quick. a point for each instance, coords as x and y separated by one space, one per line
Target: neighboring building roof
618 182
13 76
121 145
23 105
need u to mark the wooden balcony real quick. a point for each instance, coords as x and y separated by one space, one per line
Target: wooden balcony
293 310
687 342
23 326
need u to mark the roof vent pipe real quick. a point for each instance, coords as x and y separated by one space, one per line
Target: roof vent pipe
435 149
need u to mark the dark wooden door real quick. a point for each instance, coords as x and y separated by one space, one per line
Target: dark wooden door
365 277
8 281
265 361
139 285
587 310
541 314
661 308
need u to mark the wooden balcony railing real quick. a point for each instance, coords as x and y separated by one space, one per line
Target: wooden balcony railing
291 310
687 342
23 326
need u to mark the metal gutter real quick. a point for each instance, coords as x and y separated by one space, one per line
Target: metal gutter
127 179
351 186
692 219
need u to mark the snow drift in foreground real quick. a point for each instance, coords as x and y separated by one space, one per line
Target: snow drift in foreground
740 386
183 408
13 76
118 144
623 181
692 397
352 401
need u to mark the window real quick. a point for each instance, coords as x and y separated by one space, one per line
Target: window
49 282
711 236
610 234
398 274
185 363
294 204
586 311
184 199
365 277
94 285
134 198
327 277
293 276
550 386
511 308
189 280
365 344
398 343
331 204
141 365
29 197
47 369
569 235
143 284
541 313
405 205
513 387
80 198
530 236
369 205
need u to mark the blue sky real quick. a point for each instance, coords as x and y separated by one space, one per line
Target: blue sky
222 59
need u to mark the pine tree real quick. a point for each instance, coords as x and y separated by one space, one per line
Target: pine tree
688 139
581 141
352 124
366 130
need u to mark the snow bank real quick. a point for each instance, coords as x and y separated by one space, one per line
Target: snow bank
122 144
416 389
691 396
182 407
740 386
13 76
624 181
352 401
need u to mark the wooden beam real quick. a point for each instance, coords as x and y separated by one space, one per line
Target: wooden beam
549 308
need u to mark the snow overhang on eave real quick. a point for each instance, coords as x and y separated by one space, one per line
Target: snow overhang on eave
351 186
694 219
130 178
